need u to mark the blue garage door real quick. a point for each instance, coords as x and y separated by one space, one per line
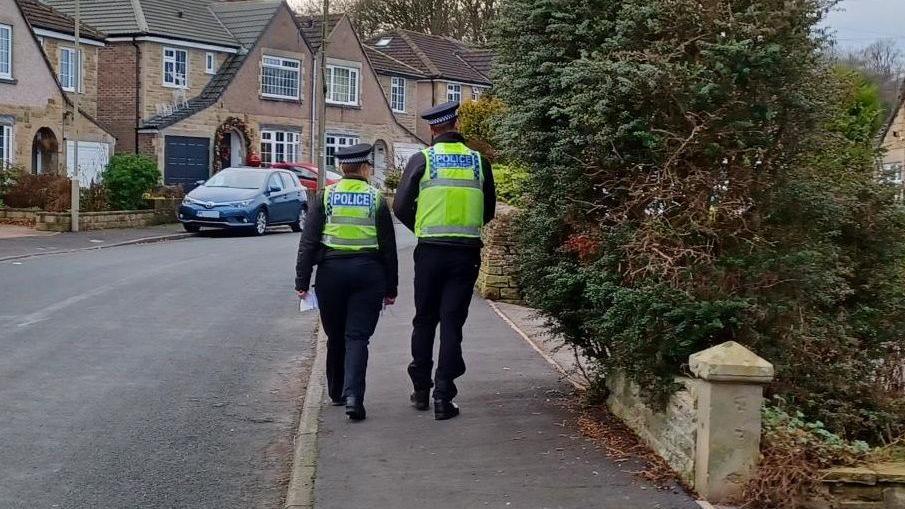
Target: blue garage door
187 160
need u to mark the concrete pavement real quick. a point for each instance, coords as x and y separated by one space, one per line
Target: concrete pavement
162 375
513 446
41 243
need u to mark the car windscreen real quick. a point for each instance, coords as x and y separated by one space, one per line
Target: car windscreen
238 179
332 175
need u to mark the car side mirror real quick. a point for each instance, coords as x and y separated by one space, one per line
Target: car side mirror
273 189
199 182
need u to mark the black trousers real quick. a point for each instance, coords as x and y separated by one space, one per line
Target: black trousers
444 283
350 292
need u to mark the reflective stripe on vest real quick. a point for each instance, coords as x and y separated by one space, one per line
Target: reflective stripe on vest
351 209
451 193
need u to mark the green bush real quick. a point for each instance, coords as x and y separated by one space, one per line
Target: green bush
479 122
510 181
699 174
127 178
392 178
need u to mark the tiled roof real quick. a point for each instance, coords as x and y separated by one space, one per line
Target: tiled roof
433 55
246 20
208 97
48 18
311 28
480 60
191 20
385 63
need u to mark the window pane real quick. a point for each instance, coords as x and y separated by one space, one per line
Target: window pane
280 77
6 36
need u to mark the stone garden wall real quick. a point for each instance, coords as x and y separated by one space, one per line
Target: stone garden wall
498 278
879 486
164 211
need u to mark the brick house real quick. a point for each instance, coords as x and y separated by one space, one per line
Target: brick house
37 131
418 71
200 85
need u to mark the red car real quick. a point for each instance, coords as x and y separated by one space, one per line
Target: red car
307 174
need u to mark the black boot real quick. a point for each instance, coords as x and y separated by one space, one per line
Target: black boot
421 399
355 409
338 402
444 409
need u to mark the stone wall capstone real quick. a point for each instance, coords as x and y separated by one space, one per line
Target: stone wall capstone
498 277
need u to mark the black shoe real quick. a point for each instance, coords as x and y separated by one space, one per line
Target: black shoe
444 409
337 402
354 409
421 399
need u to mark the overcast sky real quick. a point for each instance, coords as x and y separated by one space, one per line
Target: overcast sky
857 23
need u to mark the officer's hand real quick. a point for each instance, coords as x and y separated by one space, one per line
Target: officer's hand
302 295
389 301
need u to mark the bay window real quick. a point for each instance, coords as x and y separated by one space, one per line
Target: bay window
280 146
335 142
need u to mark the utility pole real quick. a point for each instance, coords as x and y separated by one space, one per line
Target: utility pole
76 188
322 100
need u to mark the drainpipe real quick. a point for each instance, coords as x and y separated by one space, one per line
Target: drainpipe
137 91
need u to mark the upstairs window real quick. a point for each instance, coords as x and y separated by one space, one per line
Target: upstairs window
70 70
6 51
892 173
453 92
397 94
175 67
342 85
280 77
476 93
385 41
210 63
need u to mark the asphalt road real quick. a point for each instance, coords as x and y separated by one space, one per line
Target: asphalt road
158 375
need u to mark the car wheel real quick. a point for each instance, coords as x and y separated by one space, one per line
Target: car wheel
191 227
261 222
298 225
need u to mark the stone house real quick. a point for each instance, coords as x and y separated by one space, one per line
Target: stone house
201 85
418 71
37 127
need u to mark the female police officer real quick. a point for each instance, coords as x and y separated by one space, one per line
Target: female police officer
349 236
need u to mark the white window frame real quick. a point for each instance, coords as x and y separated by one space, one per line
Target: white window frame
289 142
282 64
335 141
477 92
7 73
210 63
6 145
397 94
354 85
74 79
173 60
453 92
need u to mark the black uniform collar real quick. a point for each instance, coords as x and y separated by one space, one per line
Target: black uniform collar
449 137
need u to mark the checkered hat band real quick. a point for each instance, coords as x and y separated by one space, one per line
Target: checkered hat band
355 159
443 119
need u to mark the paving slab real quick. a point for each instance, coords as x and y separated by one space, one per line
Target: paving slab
513 446
19 244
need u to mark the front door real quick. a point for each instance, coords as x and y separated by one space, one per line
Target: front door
186 161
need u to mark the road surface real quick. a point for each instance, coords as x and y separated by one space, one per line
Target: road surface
158 375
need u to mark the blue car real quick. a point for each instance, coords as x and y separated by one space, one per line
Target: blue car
246 198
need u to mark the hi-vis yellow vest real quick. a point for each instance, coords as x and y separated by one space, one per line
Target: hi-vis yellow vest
351 210
451 196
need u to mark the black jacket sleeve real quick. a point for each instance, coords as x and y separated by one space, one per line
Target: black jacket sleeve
489 191
386 241
406 200
310 244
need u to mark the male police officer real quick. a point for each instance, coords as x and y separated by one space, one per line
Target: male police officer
445 196
349 235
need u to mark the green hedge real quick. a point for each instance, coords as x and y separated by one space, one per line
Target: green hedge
127 179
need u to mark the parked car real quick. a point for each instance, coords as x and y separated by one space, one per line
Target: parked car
246 198
307 173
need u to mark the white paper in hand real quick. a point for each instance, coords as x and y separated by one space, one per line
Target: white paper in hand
309 303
